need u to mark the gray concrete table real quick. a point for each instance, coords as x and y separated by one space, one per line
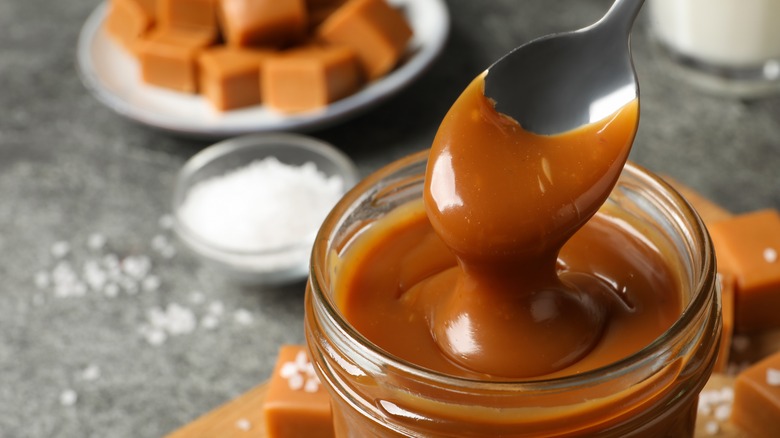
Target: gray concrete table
81 185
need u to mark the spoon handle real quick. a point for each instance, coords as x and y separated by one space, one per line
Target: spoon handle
621 15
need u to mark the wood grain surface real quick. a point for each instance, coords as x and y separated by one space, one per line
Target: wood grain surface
227 420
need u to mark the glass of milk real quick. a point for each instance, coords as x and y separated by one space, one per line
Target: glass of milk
726 46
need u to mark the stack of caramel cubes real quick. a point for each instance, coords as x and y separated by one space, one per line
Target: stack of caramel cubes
290 55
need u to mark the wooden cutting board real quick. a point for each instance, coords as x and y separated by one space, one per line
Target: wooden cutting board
243 417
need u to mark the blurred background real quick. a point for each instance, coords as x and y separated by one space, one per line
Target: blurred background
80 183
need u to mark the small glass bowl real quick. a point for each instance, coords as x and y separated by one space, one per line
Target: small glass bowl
273 265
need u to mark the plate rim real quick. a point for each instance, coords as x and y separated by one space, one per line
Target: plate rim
366 98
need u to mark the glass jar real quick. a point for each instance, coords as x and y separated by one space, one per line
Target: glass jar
651 393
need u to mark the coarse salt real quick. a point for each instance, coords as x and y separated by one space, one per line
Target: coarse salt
243 317
300 374
722 412
90 373
60 249
244 424
264 205
96 241
712 427
715 407
773 377
770 255
68 397
209 322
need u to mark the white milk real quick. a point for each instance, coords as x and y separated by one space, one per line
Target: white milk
728 33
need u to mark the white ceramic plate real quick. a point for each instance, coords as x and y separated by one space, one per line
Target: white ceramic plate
113 76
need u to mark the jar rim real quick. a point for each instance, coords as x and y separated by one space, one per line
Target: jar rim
698 301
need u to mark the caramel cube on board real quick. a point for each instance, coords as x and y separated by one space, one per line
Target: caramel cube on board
748 247
272 23
296 405
376 31
200 14
168 57
230 76
756 407
127 21
309 78
150 6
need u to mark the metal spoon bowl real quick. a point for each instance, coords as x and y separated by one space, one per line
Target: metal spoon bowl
560 82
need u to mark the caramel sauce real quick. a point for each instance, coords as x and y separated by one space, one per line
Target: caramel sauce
505 269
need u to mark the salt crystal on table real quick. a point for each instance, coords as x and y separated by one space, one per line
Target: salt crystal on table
243 317
91 373
60 249
96 241
160 243
68 397
136 267
155 336
42 279
151 283
111 290
197 297
180 320
94 275
209 322
216 308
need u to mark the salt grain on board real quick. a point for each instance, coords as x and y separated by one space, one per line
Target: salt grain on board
243 424
263 205
772 377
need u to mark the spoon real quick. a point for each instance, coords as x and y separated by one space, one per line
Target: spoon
562 81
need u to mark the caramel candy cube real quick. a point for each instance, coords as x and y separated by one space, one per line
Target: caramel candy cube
150 6
747 246
319 10
127 21
296 405
756 407
168 58
230 77
201 14
376 31
273 23
309 78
